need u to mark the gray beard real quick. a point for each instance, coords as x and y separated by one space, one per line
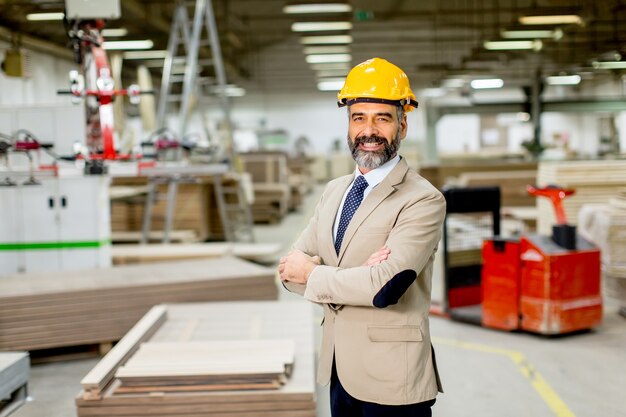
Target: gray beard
373 159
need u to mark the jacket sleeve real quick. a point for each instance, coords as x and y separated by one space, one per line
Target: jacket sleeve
412 242
307 243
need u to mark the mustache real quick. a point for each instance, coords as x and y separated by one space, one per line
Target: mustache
369 139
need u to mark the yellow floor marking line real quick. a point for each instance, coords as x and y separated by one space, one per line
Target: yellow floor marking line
545 391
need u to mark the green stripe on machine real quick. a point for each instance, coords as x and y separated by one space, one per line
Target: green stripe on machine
81 244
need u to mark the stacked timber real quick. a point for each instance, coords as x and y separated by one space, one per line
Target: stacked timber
512 184
300 179
14 370
139 254
447 172
252 359
270 181
605 225
595 182
195 208
70 308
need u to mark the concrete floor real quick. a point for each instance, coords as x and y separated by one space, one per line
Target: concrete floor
485 372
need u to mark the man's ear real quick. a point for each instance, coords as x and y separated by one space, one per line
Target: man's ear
403 127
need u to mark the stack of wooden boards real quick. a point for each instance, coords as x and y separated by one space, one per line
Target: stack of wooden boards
447 172
595 182
14 369
282 333
195 211
133 254
605 225
270 180
207 366
301 180
46 310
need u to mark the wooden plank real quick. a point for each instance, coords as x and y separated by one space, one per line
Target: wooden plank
127 254
14 370
128 276
103 372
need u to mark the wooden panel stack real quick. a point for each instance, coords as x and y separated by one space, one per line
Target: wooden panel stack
195 207
301 180
605 225
207 366
270 180
209 338
444 173
595 182
46 310
14 370
512 184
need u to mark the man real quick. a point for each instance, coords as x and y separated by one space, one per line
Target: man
376 349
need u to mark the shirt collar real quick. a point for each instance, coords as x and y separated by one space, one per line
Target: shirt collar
376 176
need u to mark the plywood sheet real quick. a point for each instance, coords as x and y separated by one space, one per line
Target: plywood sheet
200 325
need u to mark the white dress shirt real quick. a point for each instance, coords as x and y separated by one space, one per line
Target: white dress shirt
373 178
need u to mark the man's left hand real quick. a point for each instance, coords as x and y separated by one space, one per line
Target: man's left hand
297 266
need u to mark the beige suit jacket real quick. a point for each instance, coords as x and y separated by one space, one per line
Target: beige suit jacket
376 317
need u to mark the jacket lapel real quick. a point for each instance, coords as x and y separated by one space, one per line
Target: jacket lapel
327 220
373 199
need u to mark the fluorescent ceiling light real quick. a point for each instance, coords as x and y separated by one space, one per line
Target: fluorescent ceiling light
330 84
535 45
322 59
45 16
563 79
230 90
551 20
487 83
320 26
609 64
317 8
532 34
341 49
453 83
114 32
331 66
127 45
433 92
154 54
325 40
332 73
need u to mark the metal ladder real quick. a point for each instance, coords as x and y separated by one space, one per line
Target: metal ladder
236 218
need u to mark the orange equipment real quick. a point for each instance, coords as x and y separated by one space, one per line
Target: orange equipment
542 284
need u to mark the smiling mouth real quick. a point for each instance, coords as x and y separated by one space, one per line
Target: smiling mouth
370 146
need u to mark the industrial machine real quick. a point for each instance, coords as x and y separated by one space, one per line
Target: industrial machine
543 284
94 83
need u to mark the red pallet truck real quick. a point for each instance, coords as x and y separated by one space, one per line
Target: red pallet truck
542 284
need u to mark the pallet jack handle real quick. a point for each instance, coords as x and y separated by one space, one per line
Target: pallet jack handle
556 194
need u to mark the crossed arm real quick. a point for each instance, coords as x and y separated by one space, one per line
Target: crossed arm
297 265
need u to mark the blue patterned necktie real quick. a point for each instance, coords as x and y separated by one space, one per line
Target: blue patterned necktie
353 200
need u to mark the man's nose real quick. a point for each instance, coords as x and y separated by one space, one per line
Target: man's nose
370 128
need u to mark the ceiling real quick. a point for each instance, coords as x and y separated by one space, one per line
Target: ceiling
430 40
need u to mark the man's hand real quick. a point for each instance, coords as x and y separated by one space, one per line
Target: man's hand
377 257
296 266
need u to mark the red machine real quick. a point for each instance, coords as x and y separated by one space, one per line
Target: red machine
542 284
96 88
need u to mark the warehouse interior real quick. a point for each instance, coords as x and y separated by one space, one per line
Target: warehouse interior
158 158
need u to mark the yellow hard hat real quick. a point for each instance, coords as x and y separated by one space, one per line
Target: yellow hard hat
379 81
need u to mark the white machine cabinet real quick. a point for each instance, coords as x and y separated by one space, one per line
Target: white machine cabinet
59 224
